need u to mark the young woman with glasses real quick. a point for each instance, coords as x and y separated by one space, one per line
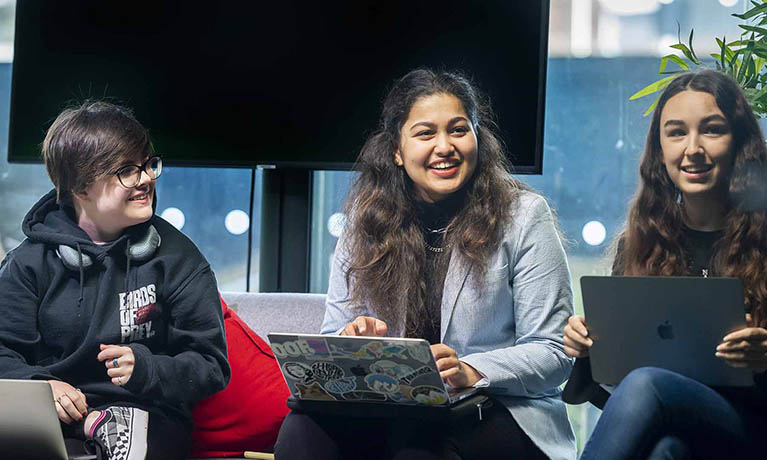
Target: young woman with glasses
106 301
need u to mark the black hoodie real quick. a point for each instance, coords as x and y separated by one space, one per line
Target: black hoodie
166 309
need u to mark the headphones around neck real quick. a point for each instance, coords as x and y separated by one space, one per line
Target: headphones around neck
139 251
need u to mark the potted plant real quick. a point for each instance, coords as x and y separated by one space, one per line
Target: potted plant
745 60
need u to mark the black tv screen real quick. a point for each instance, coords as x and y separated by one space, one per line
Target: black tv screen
289 83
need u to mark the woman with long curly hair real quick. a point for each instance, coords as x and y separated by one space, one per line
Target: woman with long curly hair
700 210
443 244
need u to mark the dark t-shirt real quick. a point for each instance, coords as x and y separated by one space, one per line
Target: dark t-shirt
700 248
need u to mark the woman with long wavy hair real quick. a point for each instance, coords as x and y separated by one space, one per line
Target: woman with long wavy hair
700 210
443 244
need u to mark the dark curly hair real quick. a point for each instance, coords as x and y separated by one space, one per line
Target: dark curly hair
385 242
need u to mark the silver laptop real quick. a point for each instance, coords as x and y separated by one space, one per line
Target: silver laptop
674 323
29 425
382 370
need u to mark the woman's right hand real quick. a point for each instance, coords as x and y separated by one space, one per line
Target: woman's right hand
577 342
365 325
69 401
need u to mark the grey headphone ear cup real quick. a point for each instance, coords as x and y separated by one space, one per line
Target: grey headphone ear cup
145 248
71 259
141 251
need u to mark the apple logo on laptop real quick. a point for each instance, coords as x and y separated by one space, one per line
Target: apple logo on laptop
666 331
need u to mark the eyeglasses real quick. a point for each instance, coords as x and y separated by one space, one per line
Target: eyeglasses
130 175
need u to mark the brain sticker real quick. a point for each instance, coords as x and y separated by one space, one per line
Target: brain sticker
426 394
327 371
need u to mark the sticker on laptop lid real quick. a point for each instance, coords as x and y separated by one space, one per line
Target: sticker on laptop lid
423 370
311 348
427 394
342 385
382 383
298 371
419 353
314 392
337 351
327 371
393 350
391 368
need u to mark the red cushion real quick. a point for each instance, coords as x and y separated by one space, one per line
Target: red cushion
247 414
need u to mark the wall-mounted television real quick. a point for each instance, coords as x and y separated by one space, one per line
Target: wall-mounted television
290 83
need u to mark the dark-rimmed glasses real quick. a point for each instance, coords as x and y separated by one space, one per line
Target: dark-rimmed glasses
130 175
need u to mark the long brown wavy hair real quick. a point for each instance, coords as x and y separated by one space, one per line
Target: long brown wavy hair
386 246
654 238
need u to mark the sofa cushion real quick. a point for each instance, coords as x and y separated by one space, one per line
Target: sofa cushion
247 414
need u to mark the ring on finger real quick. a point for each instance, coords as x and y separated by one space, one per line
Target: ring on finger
114 363
120 380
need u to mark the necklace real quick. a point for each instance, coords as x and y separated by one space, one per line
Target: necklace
433 249
437 230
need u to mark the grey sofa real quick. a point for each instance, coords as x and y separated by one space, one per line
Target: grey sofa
278 312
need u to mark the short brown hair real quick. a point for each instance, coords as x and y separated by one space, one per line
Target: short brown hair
86 142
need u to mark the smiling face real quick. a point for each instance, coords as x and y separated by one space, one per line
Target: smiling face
107 208
697 145
438 147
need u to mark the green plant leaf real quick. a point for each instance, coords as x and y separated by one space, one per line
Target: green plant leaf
685 50
722 51
727 52
676 59
758 30
652 106
692 51
652 87
752 12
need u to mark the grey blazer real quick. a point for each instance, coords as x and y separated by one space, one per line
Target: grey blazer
509 327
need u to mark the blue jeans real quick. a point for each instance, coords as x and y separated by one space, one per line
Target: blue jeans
655 413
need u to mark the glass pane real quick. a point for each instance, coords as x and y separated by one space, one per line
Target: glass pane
211 206
328 194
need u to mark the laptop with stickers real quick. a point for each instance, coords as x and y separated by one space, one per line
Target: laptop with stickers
376 370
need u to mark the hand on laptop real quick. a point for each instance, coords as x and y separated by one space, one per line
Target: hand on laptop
365 325
69 401
577 341
746 347
453 371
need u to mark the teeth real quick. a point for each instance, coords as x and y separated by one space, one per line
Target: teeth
138 198
442 165
696 169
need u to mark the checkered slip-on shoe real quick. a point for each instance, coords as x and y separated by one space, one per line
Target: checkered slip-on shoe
121 432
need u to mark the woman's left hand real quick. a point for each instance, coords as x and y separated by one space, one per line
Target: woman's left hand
453 371
119 362
746 347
